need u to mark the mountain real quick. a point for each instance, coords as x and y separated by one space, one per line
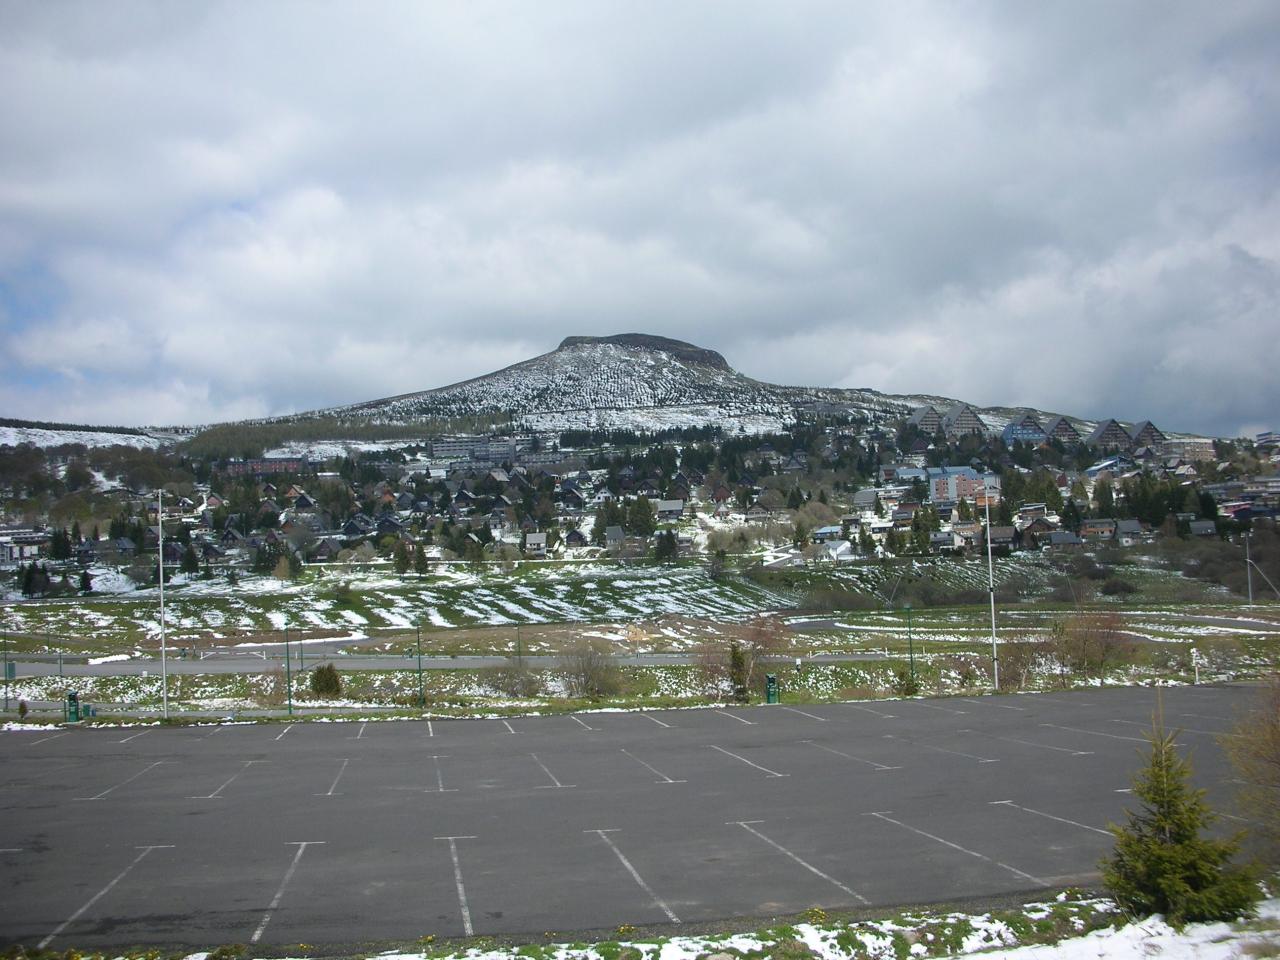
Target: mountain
628 381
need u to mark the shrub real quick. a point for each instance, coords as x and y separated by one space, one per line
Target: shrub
1117 587
22 709
325 681
1162 863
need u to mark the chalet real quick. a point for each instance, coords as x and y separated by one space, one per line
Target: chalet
231 538
1145 434
614 538
823 534
1109 435
1061 429
1032 511
535 545
575 538
962 420
1129 532
927 419
758 512
1061 540
669 509
119 550
1203 528
1036 533
1098 529
213 501
1025 429
303 502
722 511
327 550
1003 536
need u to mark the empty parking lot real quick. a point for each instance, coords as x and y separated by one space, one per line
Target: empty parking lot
343 833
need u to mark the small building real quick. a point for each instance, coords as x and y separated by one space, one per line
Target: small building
535 545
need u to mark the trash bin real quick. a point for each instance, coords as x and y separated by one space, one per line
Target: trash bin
770 688
73 707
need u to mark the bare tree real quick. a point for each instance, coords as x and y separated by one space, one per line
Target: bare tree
1254 749
591 670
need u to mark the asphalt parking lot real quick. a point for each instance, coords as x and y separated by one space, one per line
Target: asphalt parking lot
346 833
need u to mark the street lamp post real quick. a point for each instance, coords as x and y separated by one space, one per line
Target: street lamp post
6 671
164 648
422 697
1248 565
911 647
991 589
288 671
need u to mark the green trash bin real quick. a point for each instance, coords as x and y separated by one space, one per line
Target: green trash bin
73 707
770 688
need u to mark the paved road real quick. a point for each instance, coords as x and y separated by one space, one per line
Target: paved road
341 833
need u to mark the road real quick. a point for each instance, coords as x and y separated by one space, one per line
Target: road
337 834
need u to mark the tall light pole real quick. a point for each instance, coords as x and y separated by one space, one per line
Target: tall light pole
991 589
6 671
1248 564
911 647
288 670
164 648
422 697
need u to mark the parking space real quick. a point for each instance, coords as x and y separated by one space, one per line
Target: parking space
339 833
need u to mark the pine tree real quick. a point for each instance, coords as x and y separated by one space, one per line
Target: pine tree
1161 863
325 681
190 562
420 565
401 558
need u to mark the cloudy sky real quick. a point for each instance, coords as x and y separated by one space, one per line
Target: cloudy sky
212 211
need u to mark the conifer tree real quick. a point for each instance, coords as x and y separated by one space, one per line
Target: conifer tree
1162 863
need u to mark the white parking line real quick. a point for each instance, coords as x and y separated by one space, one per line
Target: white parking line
508 726
359 735
746 825
878 713
665 778
1028 743
431 731
772 773
457 879
635 874
955 846
1207 733
214 795
732 716
811 716
1095 733
921 703
579 721
929 746
555 784
1048 816
436 758
46 739
134 736
101 893
649 716
10 849
1206 716
986 701
275 901
334 786
99 796
849 756
285 730
216 729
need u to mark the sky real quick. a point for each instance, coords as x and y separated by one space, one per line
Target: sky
217 211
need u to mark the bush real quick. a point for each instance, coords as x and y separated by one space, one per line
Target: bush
325 681
592 672
1118 587
22 709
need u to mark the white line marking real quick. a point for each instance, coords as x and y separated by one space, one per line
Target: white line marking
134 736
650 716
732 716
122 782
557 784
955 846
929 746
285 730
508 726
1232 816
1095 733
217 729
214 795
811 716
334 785
101 893
921 703
1207 733
1028 743
878 713
275 901
771 773
849 756
746 825
1125 790
47 739
985 700
1050 816
457 879
665 778
431 731
436 758
572 717
10 849
361 733
635 874
1206 716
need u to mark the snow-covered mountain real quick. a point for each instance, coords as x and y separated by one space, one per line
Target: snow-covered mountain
627 381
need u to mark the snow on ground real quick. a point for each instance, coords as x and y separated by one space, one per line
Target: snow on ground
12 436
